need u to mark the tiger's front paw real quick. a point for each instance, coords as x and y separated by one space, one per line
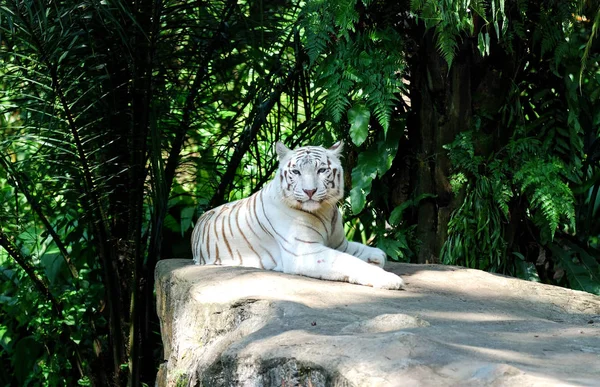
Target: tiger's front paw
386 280
377 257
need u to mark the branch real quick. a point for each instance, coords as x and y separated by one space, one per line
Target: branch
15 253
19 177
173 159
110 276
246 139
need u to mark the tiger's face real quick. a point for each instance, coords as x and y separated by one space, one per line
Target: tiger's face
310 176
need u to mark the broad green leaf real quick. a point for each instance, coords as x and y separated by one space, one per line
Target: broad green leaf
76 336
358 117
358 198
396 214
52 263
590 263
26 354
579 276
373 162
5 338
171 223
394 248
186 218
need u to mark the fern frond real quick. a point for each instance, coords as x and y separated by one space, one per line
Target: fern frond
417 5
542 183
446 44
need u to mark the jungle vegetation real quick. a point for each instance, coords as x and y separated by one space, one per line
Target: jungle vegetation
471 128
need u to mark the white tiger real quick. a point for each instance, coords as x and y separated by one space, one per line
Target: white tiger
292 225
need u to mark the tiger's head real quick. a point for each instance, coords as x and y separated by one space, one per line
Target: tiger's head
310 176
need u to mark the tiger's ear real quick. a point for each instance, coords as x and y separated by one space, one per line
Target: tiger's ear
281 150
337 148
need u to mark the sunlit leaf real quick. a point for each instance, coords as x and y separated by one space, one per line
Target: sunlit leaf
358 117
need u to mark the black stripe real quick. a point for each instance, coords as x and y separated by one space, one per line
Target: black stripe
340 245
246 239
334 219
217 259
305 254
206 233
354 251
251 228
256 215
195 242
311 227
267 218
303 241
225 236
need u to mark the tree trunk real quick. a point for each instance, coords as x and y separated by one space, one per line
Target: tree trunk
441 100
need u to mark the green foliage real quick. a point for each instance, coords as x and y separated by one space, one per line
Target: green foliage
373 162
588 45
475 230
358 117
581 266
549 195
353 64
122 122
542 177
518 172
453 19
398 240
396 214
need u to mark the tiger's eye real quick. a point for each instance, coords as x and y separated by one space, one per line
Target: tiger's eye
322 170
295 172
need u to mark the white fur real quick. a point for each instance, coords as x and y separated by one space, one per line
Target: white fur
293 225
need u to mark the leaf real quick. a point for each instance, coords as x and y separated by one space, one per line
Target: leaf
171 223
589 262
53 264
186 218
358 198
396 214
394 248
580 277
447 46
5 338
373 162
483 43
76 336
358 117
27 351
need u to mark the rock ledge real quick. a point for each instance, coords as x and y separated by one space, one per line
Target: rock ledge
232 326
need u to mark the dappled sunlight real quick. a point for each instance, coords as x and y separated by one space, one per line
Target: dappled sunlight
269 285
496 354
477 285
471 317
431 333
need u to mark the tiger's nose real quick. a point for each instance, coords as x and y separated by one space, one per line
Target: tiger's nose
309 192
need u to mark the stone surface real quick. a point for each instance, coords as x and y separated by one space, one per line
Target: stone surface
232 326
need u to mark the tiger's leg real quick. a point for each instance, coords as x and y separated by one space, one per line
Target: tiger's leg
334 265
338 240
366 253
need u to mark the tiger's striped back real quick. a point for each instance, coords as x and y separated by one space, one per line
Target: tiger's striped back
235 234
